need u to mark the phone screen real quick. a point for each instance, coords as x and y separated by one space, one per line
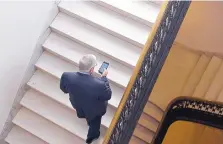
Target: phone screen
103 67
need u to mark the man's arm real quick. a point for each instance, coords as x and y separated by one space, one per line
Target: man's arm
104 79
106 90
63 83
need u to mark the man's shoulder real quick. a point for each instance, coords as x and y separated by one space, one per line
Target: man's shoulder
68 75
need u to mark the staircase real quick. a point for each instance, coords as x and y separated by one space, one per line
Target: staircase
113 31
189 73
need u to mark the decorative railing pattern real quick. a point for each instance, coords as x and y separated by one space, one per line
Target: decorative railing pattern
192 110
146 72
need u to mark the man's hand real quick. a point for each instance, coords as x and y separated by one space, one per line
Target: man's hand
105 73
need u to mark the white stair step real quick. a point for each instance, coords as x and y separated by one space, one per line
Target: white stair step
72 52
20 136
107 20
50 86
58 114
56 66
44 129
145 13
97 39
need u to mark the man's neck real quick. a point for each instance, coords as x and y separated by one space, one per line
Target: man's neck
87 73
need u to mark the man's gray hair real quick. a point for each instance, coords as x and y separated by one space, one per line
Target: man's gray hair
87 62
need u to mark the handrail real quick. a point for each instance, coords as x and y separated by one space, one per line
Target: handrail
146 72
193 110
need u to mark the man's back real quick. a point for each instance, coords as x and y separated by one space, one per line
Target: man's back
88 95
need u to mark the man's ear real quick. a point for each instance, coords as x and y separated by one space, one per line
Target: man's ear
92 70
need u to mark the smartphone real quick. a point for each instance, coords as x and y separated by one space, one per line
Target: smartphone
103 67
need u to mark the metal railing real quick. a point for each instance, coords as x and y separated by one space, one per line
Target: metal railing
193 110
146 72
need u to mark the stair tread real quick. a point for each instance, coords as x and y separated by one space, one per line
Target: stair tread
153 111
105 18
97 39
73 52
56 66
149 122
143 133
20 136
216 85
196 75
44 129
135 140
207 77
60 115
48 85
146 13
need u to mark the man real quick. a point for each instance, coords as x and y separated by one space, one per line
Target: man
88 95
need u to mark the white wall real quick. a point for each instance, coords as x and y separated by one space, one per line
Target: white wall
21 25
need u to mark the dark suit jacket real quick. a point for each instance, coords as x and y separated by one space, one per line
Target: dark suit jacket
88 95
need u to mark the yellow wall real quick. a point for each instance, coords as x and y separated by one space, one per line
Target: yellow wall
202 28
181 132
173 76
